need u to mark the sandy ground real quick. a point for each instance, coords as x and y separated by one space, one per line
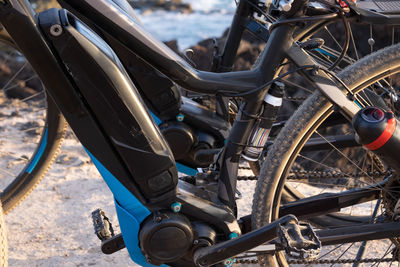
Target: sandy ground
52 226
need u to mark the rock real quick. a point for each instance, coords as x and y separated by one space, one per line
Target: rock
248 51
148 6
25 84
40 5
20 92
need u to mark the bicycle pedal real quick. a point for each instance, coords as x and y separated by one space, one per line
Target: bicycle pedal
299 240
102 225
112 244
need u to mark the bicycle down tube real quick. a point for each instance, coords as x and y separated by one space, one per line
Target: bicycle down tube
109 17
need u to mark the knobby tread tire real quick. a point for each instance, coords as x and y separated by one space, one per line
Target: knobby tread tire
269 185
24 183
3 240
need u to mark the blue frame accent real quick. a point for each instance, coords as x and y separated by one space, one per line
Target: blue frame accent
155 118
130 211
39 153
185 169
325 52
358 104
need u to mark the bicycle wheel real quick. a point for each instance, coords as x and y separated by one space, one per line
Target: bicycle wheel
364 39
348 164
3 240
31 127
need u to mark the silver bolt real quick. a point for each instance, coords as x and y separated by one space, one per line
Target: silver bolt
56 30
371 41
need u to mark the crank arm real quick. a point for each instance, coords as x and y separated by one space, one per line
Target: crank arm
207 256
323 82
341 235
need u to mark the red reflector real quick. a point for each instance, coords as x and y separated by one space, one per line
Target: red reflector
342 4
384 137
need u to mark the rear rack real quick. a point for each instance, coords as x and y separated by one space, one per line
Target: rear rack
377 11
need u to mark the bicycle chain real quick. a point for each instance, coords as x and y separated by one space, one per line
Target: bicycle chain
302 175
289 98
342 261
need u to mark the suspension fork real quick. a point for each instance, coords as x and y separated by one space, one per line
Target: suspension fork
274 54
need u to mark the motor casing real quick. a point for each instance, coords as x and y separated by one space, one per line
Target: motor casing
165 237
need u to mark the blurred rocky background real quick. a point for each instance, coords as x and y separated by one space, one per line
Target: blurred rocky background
24 84
202 55
251 47
148 6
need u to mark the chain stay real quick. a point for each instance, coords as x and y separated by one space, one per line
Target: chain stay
304 175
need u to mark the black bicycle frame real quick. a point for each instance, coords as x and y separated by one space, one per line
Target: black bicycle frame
91 88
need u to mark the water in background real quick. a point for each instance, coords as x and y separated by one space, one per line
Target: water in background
209 19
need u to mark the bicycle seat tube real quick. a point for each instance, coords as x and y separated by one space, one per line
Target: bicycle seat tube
243 11
275 52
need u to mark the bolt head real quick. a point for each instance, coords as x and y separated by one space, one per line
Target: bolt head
286 7
180 117
56 30
228 262
233 235
176 207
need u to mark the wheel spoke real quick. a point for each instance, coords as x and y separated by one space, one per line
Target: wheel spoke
15 75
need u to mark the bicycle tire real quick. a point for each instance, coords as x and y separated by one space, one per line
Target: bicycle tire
329 32
43 156
3 240
298 130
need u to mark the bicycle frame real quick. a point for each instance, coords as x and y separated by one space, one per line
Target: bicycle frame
91 88
156 89
158 55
